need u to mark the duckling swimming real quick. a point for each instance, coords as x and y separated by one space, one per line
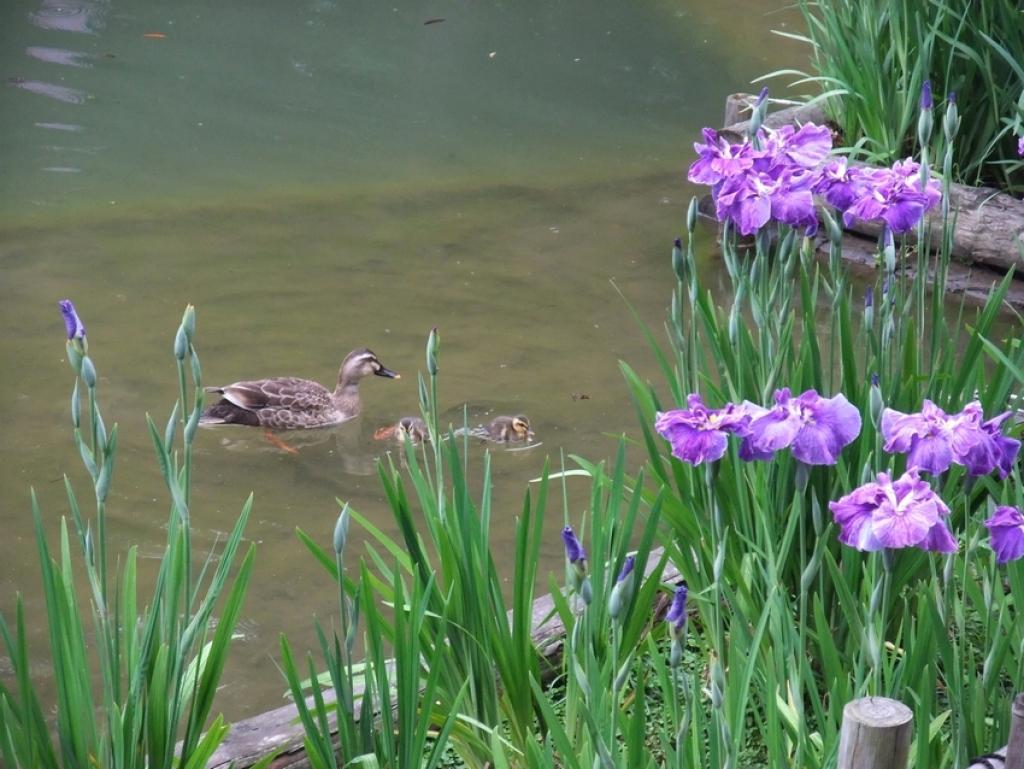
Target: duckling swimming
508 429
405 429
291 403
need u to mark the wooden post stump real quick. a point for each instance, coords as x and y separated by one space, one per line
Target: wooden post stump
876 734
1015 748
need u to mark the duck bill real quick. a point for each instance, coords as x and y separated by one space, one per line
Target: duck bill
387 372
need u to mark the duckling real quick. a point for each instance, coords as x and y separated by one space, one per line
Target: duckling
508 429
405 429
292 403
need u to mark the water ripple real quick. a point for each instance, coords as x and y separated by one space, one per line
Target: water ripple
71 127
83 16
58 92
59 56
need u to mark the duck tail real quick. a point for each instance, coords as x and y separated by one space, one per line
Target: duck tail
224 412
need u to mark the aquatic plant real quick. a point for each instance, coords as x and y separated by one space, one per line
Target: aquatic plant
870 61
159 664
775 176
900 593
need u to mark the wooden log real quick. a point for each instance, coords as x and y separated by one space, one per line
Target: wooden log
875 734
989 224
279 729
1012 755
973 282
1015 747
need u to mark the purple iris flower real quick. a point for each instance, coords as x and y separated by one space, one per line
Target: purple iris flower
574 551
697 433
1006 529
785 147
888 514
718 159
993 451
815 428
677 611
893 195
751 200
72 323
838 184
933 439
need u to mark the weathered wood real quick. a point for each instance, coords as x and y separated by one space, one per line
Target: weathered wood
974 283
1015 747
279 729
875 734
988 224
739 104
994 760
1012 755
988 228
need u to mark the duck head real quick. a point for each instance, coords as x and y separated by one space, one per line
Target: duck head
360 363
521 427
411 429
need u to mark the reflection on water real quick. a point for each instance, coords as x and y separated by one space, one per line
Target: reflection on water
317 177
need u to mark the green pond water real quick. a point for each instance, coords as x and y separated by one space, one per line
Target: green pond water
318 176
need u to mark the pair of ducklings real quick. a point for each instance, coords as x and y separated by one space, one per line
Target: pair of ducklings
290 403
501 429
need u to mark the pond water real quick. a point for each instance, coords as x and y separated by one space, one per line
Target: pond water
320 176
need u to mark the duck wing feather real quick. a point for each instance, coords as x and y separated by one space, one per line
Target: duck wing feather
284 393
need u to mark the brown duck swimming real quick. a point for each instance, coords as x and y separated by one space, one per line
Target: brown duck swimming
290 403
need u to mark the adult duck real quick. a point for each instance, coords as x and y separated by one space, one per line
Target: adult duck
290 403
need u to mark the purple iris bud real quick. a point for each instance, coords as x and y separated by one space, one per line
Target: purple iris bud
72 323
816 429
875 402
622 590
574 551
1020 146
926 94
677 243
869 298
677 611
627 569
894 514
933 439
951 98
697 433
762 96
1006 530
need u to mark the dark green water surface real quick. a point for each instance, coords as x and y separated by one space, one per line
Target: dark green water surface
318 176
